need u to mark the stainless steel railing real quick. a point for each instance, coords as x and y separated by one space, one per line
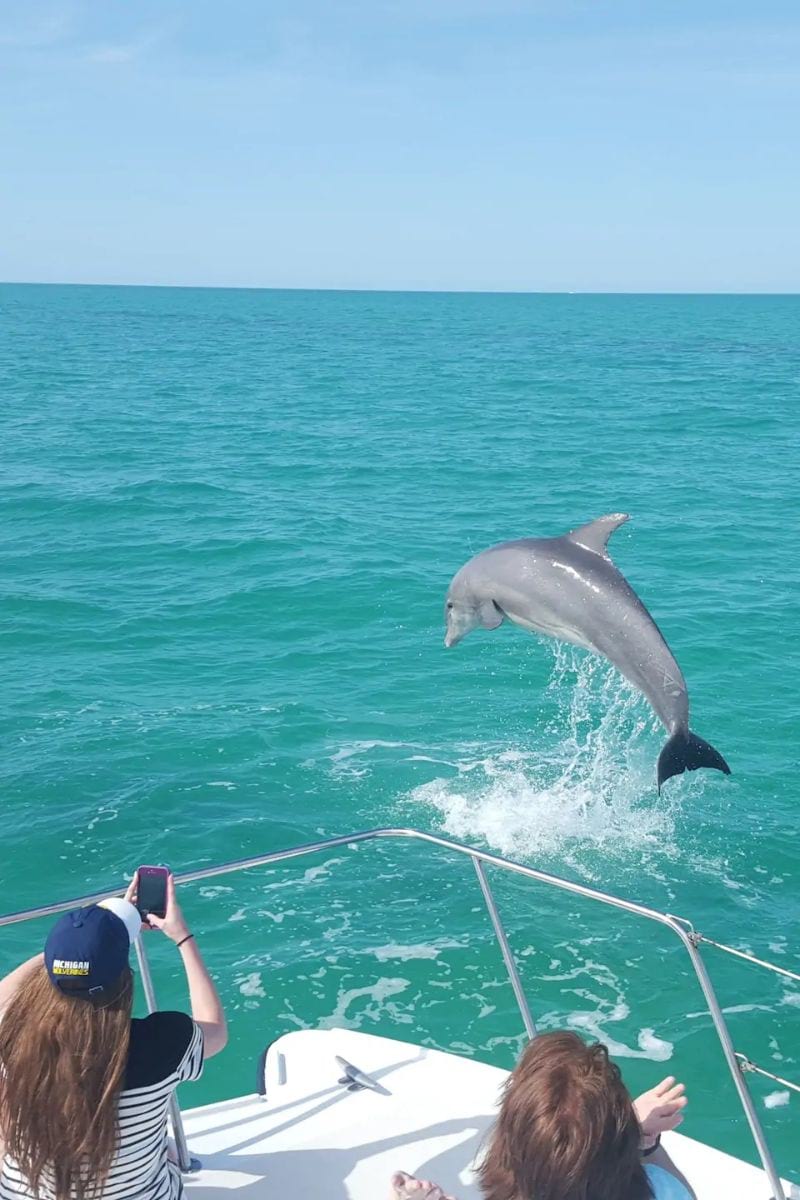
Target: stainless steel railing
682 929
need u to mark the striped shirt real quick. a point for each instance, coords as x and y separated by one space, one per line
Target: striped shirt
166 1048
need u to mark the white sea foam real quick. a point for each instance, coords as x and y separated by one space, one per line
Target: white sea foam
105 813
776 1100
251 985
403 953
590 777
420 950
654 1048
598 1023
346 761
377 997
321 871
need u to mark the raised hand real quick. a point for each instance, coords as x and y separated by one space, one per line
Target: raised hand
661 1109
173 924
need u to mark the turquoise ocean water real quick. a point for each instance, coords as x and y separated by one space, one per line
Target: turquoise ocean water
229 519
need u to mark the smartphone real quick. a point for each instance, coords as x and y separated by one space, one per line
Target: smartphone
151 892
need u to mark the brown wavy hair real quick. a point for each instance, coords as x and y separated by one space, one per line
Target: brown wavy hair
62 1067
566 1130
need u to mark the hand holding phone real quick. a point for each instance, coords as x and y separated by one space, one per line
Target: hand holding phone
151 891
150 898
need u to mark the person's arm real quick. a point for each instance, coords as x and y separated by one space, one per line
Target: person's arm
203 997
206 1005
9 985
658 1111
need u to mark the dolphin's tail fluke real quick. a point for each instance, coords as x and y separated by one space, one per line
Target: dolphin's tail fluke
685 751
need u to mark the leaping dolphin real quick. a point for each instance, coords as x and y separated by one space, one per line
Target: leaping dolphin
568 588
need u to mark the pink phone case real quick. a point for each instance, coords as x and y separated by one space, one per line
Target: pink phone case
147 893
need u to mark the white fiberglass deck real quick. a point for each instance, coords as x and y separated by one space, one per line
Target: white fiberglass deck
313 1139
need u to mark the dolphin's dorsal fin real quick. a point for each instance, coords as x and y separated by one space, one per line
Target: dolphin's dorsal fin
595 535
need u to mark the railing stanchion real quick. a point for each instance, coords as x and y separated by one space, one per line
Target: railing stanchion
508 957
734 1066
185 1160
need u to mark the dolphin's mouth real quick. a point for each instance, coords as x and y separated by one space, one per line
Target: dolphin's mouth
451 639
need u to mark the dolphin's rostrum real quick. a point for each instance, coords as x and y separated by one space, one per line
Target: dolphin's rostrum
568 588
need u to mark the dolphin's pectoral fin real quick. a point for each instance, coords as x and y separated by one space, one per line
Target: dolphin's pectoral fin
685 751
595 535
490 615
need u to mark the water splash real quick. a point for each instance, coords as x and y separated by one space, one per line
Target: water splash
590 777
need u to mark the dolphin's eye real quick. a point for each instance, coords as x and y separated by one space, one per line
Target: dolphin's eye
449 603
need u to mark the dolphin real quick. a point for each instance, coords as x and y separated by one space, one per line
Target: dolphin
568 588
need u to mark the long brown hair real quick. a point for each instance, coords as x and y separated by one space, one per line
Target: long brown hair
566 1130
62 1066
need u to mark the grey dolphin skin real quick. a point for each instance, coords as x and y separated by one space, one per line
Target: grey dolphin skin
568 588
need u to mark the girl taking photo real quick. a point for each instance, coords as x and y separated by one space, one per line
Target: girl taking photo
84 1087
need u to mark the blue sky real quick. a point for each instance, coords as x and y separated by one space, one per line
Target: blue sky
482 144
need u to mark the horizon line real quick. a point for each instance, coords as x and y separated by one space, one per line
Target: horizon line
420 291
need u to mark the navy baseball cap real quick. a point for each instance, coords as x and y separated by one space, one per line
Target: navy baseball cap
87 949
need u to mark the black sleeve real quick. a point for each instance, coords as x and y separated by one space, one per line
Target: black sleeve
159 1044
